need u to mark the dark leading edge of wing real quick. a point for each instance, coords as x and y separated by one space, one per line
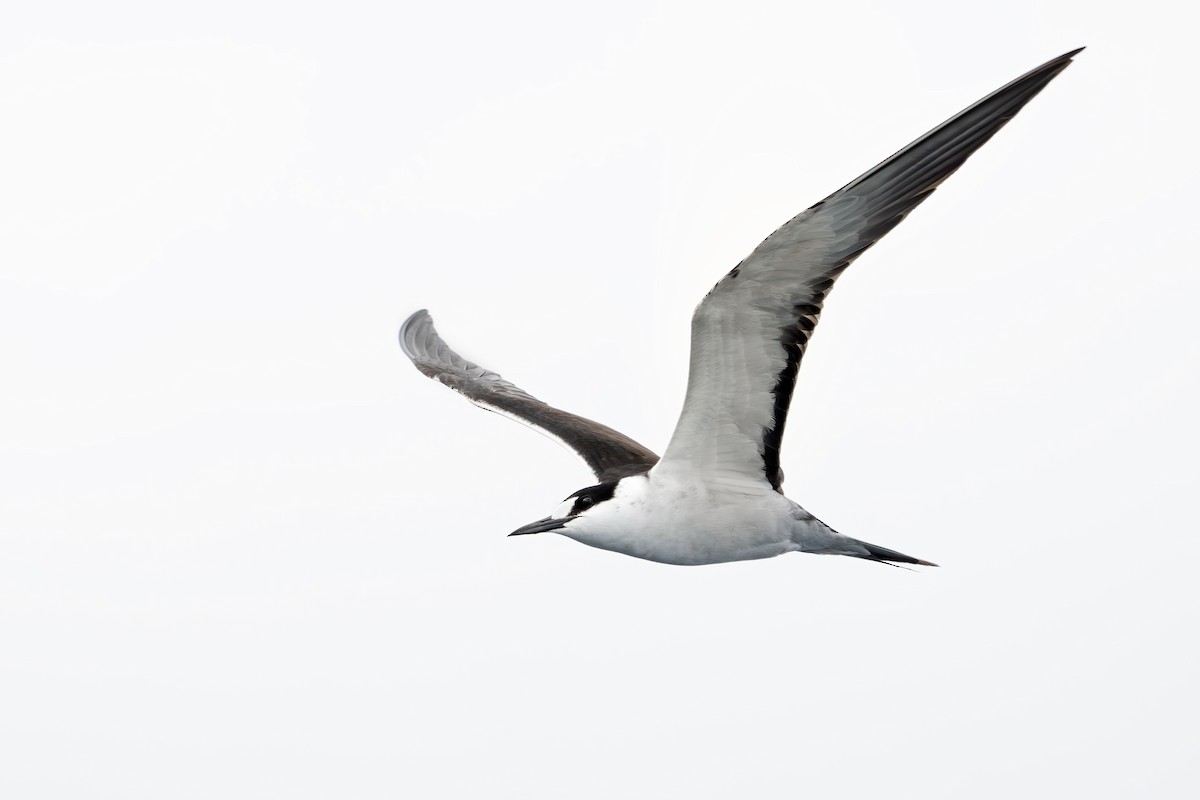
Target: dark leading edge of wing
611 455
867 208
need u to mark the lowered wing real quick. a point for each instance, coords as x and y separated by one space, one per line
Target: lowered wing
611 455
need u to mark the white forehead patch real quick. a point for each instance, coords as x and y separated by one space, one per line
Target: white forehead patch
564 508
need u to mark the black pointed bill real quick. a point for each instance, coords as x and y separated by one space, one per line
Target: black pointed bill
542 525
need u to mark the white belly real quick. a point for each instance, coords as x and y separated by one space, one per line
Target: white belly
688 524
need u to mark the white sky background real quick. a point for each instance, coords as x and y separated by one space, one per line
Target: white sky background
247 551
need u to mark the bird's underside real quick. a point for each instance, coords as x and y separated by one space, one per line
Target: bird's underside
716 493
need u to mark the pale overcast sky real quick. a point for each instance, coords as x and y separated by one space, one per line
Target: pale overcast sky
247 551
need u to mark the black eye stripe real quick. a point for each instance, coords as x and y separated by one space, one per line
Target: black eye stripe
586 498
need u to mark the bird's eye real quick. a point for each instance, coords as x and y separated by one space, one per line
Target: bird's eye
585 502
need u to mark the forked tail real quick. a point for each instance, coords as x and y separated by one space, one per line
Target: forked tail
886 556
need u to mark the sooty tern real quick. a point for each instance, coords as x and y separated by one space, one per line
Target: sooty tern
716 494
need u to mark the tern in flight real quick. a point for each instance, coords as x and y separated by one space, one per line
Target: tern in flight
716 494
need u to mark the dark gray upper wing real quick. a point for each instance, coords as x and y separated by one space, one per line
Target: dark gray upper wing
610 455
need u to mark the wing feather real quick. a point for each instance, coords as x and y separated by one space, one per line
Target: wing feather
609 454
750 333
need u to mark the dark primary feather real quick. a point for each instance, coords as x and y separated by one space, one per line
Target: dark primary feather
867 208
610 455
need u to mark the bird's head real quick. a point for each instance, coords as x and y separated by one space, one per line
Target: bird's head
578 512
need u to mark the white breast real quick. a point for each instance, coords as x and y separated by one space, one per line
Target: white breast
674 522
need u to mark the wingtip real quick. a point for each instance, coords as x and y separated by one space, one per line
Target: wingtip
1062 62
413 317
1043 73
1054 65
406 328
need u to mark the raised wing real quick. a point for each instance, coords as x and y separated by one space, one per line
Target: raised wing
750 332
610 455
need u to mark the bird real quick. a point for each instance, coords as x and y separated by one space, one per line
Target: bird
716 494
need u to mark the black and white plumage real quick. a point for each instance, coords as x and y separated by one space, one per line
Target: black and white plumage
716 493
